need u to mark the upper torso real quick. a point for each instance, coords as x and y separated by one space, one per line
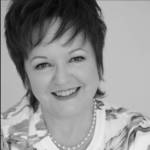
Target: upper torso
116 129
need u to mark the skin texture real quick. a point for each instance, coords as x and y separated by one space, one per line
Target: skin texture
55 67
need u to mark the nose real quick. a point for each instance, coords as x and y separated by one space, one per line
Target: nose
61 75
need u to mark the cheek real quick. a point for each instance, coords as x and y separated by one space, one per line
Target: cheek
91 72
39 84
92 79
88 74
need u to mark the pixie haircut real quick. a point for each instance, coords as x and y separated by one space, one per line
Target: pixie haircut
27 16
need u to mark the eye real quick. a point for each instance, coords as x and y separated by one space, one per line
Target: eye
42 66
77 59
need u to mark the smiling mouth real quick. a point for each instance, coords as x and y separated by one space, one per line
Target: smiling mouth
66 93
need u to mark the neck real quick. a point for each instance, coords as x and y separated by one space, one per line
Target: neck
66 129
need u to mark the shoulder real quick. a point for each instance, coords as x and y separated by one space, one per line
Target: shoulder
15 120
17 113
120 114
126 128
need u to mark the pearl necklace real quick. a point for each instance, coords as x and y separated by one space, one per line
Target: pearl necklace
84 140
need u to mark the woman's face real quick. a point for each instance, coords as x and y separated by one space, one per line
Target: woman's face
63 78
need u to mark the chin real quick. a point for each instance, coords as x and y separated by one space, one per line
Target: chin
69 111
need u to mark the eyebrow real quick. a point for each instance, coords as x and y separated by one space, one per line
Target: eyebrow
43 57
76 49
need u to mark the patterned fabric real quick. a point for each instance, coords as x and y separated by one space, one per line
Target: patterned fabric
116 129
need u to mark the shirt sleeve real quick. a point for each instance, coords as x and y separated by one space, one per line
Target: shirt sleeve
139 138
4 145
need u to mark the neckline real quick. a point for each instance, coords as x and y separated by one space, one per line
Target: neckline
97 139
98 136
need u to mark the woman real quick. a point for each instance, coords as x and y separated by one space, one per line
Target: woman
57 48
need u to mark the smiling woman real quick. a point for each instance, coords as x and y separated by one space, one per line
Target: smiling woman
58 67
57 48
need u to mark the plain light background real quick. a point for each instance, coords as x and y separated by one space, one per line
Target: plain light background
126 57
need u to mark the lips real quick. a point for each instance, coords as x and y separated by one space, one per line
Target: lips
67 97
66 92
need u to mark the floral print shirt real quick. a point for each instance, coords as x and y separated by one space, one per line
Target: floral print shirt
116 129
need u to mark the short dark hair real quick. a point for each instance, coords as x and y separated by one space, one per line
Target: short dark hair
24 16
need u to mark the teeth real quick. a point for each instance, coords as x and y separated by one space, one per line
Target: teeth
66 93
63 93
